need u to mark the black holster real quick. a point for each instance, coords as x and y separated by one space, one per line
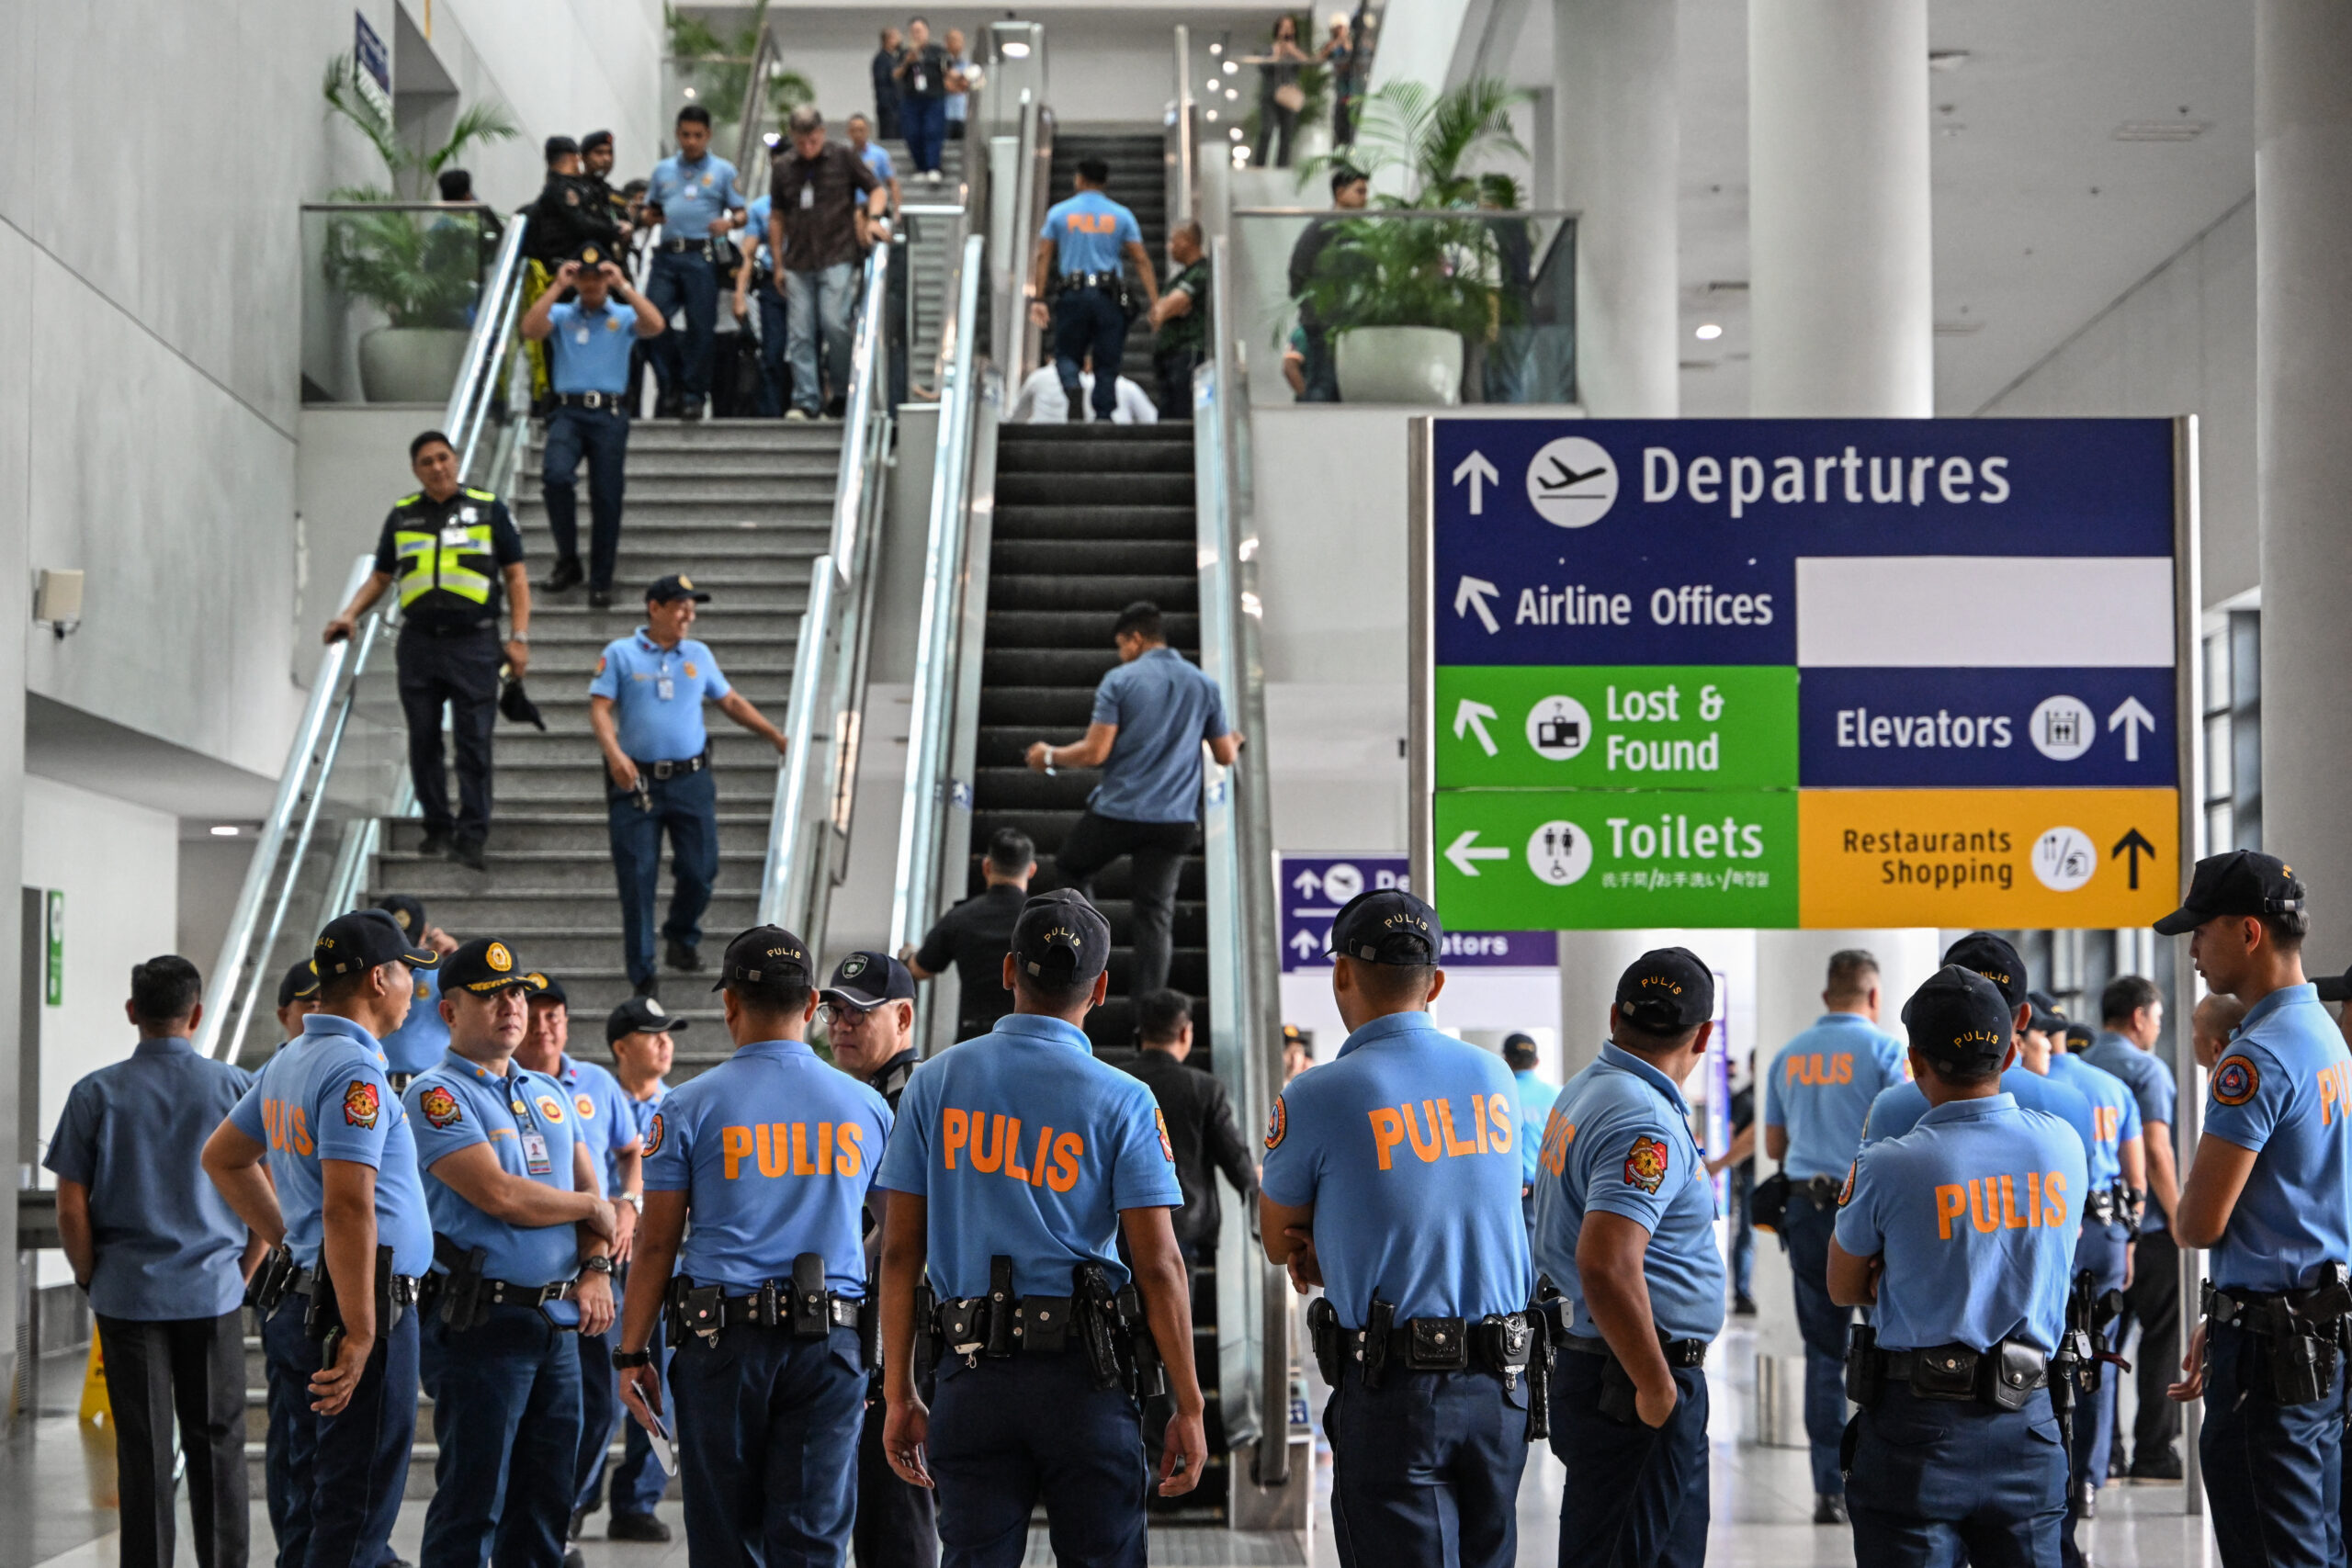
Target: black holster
811 1317
1323 1335
1378 1324
271 1280
325 1314
460 1302
1865 1374
2302 1367
1151 1375
996 1332
1097 1307
927 1343
869 1329
1539 1373
1768 1202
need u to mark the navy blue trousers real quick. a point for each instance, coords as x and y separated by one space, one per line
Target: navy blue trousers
1008 1434
684 280
1635 1498
925 121
1804 1231
639 1478
506 1414
1090 320
767 1432
1425 1470
775 351
2273 1473
335 1482
602 437
1934 1478
685 806
2101 1249
462 673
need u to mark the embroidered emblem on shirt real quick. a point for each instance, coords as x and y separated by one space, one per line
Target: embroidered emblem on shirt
587 1107
2235 1080
1646 1166
440 1107
1845 1193
360 1106
600 664
1166 1147
692 672
653 1135
551 1108
1277 1123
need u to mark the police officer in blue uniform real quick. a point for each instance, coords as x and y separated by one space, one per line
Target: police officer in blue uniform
423 1039
1019 1164
645 705
1959 1236
692 195
1817 1094
1086 242
297 999
638 1033
772 1156
522 1258
589 342
2269 1195
1625 1227
343 1207
1392 1180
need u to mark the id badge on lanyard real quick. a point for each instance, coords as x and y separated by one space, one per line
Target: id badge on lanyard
664 687
808 197
534 1155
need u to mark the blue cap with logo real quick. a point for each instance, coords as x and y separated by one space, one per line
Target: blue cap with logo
1959 1020
1062 938
869 979
485 965
363 940
1387 925
1993 957
1667 991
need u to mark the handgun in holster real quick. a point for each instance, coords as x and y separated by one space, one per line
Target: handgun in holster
869 1330
926 1342
998 1338
1323 1335
1540 1354
1377 1325
812 1316
1097 1309
1865 1372
462 1305
1140 1348
271 1280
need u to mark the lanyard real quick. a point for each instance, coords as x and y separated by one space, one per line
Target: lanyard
520 1105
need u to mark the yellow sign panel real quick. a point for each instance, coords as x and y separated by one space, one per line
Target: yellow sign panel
2001 858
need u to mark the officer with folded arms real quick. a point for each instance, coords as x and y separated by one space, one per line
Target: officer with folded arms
521 1245
1019 1164
2270 1197
1392 1179
1959 1236
343 1206
1625 1226
771 1155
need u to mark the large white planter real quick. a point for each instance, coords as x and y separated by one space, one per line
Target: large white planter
1400 364
410 365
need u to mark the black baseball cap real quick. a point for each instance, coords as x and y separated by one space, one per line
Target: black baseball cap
362 940
2079 1036
546 988
594 139
592 255
2242 882
558 147
1667 991
765 955
1960 1020
408 911
642 1015
485 966
1062 939
1993 957
1387 925
1518 1050
301 981
677 585
2334 988
869 979
2049 1017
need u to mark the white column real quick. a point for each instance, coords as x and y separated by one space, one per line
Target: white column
1590 963
2303 340
1839 247
1618 136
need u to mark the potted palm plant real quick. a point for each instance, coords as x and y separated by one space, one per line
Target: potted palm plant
718 68
1400 296
421 270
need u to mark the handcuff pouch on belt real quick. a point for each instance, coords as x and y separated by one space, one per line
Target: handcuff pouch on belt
2303 1332
272 1281
1378 1322
811 1310
2004 1377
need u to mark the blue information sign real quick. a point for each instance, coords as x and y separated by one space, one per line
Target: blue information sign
1314 886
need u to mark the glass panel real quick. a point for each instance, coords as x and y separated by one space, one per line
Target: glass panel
2221 832
1396 307
2246 657
2216 671
389 292
2218 771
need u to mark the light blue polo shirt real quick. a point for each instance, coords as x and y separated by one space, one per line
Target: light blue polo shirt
2151 1082
1407 1146
774 1151
168 1245
1820 1088
1535 1097
1025 1146
1090 232
646 1110
2115 1115
880 162
1165 706
324 1095
1899 1109
590 348
421 1039
692 196
1619 1143
2282 1089
1976 1210
635 671
606 1118
756 224
460 1103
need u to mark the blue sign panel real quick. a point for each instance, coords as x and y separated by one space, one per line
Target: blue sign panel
1861 728
1314 886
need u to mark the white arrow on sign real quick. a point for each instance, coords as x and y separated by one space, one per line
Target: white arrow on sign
1473 717
1466 857
2132 719
1473 595
1480 473
1306 945
1307 883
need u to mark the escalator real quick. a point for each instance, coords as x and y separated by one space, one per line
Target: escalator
1137 162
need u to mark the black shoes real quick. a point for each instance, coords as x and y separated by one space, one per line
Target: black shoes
2086 1501
1828 1509
579 1519
566 575
636 1526
682 958
649 986
690 409
600 598
468 853
435 845
2161 1465
1743 1305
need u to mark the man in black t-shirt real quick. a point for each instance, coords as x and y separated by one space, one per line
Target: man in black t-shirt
976 934
926 76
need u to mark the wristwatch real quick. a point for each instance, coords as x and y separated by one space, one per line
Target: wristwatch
624 1360
635 1199
597 1265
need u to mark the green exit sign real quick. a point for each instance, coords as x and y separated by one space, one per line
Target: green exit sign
1674 727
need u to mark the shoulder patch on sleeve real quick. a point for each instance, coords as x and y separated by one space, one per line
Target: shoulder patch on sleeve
440 1107
1277 1123
2235 1080
1645 1164
1160 1120
653 1135
360 1105
1845 1193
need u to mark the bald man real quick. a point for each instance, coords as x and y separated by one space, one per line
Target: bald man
2216 1018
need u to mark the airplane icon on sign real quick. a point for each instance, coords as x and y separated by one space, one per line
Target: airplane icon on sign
1568 476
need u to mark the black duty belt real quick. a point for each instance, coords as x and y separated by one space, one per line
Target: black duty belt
1822 1189
402 1292
2100 1207
763 1310
671 770
1110 280
616 402
1680 1354
681 247
420 627
2282 1313
1444 1344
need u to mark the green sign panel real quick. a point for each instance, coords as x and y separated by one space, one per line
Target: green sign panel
1629 728
1581 860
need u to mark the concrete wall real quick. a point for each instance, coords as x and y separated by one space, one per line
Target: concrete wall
2181 341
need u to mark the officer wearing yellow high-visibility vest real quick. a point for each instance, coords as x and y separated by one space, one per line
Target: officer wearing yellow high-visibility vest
452 549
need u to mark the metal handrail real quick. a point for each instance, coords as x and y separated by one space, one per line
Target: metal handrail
749 137
475 378
828 674
915 894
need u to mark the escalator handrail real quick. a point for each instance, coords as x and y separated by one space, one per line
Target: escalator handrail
469 399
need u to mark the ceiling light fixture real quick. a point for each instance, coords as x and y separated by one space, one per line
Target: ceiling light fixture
1948 59
1231 69
224 831
1708 332
1016 49
2161 130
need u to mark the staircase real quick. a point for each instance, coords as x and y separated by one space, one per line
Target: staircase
1139 164
928 258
